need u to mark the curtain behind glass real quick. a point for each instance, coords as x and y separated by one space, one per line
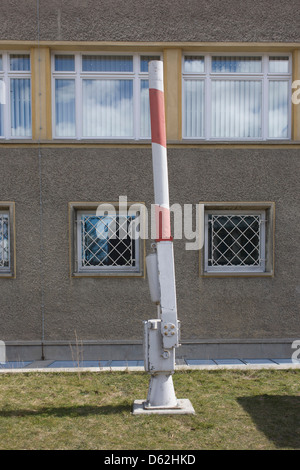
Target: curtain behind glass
223 64
278 108
194 108
2 101
236 108
20 101
107 108
107 63
65 108
145 126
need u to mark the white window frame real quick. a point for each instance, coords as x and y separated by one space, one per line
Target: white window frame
262 243
6 74
79 75
265 77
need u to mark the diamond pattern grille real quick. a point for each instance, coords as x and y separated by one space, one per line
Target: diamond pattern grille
4 241
106 241
234 240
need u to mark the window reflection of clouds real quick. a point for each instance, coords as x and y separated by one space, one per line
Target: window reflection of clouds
193 64
65 107
107 108
145 127
278 108
236 64
236 108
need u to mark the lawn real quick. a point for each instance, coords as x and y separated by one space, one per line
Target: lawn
251 409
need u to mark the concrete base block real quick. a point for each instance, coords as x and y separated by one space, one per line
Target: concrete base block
184 408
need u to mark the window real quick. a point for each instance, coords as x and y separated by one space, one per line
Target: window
238 239
7 256
105 240
101 96
15 96
236 97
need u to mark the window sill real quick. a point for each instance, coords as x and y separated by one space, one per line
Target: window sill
139 275
7 276
237 274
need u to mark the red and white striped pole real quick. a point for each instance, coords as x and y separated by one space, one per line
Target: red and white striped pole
161 336
159 151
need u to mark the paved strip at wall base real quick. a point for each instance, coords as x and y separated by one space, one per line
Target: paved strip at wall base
133 350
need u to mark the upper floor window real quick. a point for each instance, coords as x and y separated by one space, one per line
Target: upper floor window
15 95
236 97
101 96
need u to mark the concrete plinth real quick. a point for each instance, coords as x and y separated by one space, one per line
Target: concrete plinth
184 407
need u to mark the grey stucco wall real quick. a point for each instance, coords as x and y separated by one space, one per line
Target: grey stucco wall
111 309
151 20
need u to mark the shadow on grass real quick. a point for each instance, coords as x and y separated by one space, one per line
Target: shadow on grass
278 417
68 411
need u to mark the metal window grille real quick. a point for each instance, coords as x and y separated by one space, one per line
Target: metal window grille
4 242
235 242
106 243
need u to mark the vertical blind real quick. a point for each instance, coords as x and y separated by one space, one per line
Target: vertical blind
2 101
20 107
278 108
15 95
102 95
236 108
65 108
107 108
194 101
145 126
236 97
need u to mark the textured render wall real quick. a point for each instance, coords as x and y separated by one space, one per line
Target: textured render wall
151 20
114 308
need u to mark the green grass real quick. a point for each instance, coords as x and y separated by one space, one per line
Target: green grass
258 409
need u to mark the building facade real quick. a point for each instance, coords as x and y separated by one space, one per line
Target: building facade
75 153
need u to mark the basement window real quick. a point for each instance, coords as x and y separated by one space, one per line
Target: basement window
238 240
7 256
105 242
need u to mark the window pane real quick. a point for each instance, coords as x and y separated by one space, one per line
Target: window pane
278 108
105 242
107 108
19 62
2 102
145 59
64 63
236 108
194 64
1 66
278 64
194 108
4 241
107 63
223 64
64 108
20 107
233 240
145 123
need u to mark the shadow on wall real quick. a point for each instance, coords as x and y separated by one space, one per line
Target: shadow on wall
277 416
